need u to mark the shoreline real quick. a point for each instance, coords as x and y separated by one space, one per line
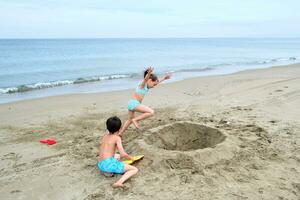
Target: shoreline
128 89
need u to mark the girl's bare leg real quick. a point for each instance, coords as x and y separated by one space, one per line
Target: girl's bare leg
127 123
147 112
129 172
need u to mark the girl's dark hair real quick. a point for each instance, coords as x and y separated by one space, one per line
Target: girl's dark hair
153 77
113 124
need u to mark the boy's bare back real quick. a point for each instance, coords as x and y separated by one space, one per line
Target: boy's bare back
108 146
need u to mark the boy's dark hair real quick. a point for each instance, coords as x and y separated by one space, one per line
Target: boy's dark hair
113 124
153 77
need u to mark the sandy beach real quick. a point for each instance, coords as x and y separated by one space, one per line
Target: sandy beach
220 137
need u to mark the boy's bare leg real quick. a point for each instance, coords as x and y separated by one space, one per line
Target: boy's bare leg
129 172
117 156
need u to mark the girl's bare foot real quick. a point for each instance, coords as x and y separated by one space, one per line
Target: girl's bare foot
136 124
117 185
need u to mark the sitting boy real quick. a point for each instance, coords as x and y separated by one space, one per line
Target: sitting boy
108 160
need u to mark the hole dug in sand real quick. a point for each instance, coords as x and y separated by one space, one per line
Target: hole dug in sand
185 136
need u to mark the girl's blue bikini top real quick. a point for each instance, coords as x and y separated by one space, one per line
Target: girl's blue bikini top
143 91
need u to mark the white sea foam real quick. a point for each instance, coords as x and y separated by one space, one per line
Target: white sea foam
36 86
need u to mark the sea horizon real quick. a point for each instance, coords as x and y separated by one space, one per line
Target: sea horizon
92 38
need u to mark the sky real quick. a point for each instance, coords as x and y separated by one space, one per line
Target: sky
149 18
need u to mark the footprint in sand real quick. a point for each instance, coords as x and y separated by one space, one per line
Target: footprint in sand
273 121
15 191
11 156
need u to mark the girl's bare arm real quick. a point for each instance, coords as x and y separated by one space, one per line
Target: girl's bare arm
166 77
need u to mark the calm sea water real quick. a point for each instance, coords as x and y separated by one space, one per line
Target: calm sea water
47 67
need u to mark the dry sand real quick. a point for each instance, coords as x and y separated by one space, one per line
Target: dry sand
222 137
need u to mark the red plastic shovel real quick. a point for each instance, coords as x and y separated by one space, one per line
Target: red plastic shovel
49 141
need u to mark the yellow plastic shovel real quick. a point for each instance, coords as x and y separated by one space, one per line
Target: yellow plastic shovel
135 158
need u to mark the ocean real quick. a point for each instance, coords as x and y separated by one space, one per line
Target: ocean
34 68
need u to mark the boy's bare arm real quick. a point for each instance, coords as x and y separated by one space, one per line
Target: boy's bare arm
121 149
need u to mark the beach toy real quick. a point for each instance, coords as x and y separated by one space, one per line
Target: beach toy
49 141
135 158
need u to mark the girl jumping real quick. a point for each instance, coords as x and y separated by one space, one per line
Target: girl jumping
135 103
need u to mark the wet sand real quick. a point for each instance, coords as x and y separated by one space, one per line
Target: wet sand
220 137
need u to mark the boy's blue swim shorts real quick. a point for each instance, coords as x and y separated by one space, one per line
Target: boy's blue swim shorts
111 165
